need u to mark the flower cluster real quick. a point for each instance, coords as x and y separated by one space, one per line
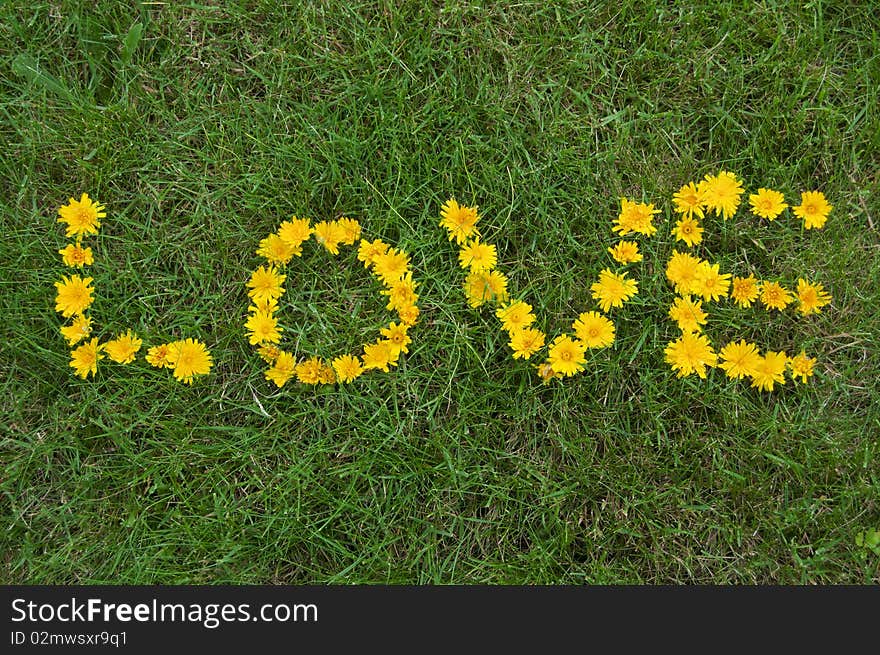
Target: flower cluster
697 281
591 330
74 297
389 265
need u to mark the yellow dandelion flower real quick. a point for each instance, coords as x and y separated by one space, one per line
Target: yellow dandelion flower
159 356
330 235
710 283
814 209
689 231
744 291
612 289
546 372
812 297
81 216
269 352
84 360
688 201
769 369
681 271
774 295
79 329
380 355
801 366
477 256
347 368
122 349
391 266
767 203
276 250
635 217
265 284
76 255
515 315
263 327
594 330
190 358
350 230
688 314
368 251
402 293
266 306
739 360
74 295
481 287
690 353
566 355
310 371
459 221
626 252
408 314
282 369
721 193
525 342
396 334
295 232
326 375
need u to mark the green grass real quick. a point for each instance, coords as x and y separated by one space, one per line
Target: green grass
223 119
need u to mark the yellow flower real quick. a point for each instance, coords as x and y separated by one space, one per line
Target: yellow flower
801 367
515 315
311 371
282 369
391 266
721 193
79 329
326 375
396 334
459 221
265 284
812 297
546 372
347 368
709 283
739 360
159 356
774 295
744 291
688 201
380 355
190 358
690 353
626 252
74 295
269 352
330 235
81 216
276 250
368 251
350 230
478 256
123 349
525 342
688 314
481 287
635 217
566 355
767 203
769 369
688 230
295 232
814 209
84 360
594 330
76 255
681 270
612 290
408 314
401 294
267 306
263 328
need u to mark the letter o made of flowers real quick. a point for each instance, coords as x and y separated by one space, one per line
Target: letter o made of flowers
390 266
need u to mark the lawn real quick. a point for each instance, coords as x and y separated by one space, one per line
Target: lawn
202 126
